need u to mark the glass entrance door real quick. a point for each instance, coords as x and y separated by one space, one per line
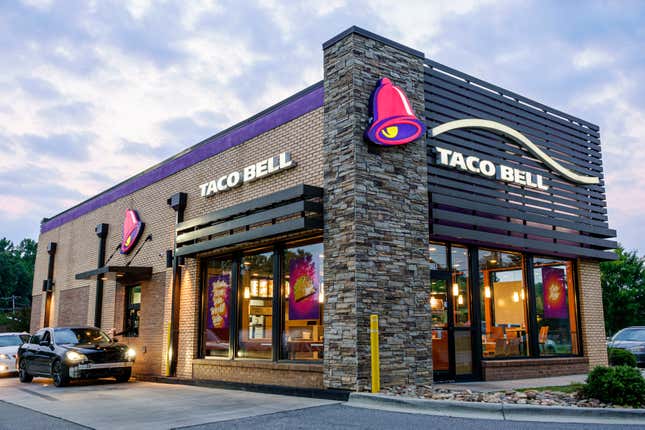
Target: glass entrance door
452 356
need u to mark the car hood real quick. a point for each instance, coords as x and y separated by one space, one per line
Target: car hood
625 344
9 350
97 348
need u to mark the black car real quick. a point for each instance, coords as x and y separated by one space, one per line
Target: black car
633 340
66 353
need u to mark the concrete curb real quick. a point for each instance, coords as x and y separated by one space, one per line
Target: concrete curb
498 411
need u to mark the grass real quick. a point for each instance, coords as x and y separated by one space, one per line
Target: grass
571 388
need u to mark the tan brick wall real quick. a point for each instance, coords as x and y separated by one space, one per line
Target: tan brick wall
73 306
149 343
36 312
594 341
497 370
78 244
262 373
189 314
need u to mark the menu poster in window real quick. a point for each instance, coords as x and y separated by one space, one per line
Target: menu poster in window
555 293
219 288
305 285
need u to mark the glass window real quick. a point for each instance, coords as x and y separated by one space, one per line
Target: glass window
460 291
555 306
460 286
218 297
79 336
35 339
256 306
631 334
132 311
438 257
303 297
503 304
10 340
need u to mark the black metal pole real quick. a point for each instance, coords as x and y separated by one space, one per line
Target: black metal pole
178 203
101 231
49 283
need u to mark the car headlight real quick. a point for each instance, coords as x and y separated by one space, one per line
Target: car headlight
130 354
4 357
75 356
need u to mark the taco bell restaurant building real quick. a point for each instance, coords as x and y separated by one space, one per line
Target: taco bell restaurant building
469 218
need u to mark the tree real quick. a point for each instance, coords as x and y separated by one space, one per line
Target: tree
623 290
17 267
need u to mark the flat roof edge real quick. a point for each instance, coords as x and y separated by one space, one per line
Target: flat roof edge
287 110
374 36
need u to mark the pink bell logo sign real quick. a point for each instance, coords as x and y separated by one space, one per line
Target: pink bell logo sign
393 122
132 229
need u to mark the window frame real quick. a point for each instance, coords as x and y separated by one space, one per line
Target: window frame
128 331
576 291
277 249
531 307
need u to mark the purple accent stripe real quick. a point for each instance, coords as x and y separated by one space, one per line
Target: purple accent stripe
289 111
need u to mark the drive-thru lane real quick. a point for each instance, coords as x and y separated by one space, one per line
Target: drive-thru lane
104 404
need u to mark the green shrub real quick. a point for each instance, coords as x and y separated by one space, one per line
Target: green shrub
621 357
620 385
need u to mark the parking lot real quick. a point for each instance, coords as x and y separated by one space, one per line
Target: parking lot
104 404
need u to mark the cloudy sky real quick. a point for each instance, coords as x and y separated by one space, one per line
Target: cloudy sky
92 92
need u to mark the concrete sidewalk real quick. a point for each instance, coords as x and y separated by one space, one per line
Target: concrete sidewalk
104 404
488 386
498 411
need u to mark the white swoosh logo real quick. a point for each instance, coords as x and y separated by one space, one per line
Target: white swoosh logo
518 137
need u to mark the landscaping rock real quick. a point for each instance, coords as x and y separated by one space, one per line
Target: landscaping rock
530 397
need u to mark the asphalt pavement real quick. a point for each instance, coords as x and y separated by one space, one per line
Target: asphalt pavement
341 416
14 417
142 405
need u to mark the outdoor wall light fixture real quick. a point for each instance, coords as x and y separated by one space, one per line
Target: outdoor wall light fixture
487 292
455 289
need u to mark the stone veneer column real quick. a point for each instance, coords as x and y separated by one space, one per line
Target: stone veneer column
376 221
592 318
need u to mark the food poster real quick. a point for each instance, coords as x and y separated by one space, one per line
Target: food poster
555 293
305 286
219 288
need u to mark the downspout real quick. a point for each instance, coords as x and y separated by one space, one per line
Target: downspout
101 231
48 284
178 203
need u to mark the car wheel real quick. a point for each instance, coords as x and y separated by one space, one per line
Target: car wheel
22 372
60 374
125 376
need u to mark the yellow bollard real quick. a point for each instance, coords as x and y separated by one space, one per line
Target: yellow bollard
376 372
169 355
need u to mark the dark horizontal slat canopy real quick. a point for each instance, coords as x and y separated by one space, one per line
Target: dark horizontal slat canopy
567 219
293 210
125 274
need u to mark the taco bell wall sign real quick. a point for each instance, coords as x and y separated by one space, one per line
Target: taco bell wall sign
393 122
132 229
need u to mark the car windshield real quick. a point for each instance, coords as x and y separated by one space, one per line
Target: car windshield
634 335
10 340
76 336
